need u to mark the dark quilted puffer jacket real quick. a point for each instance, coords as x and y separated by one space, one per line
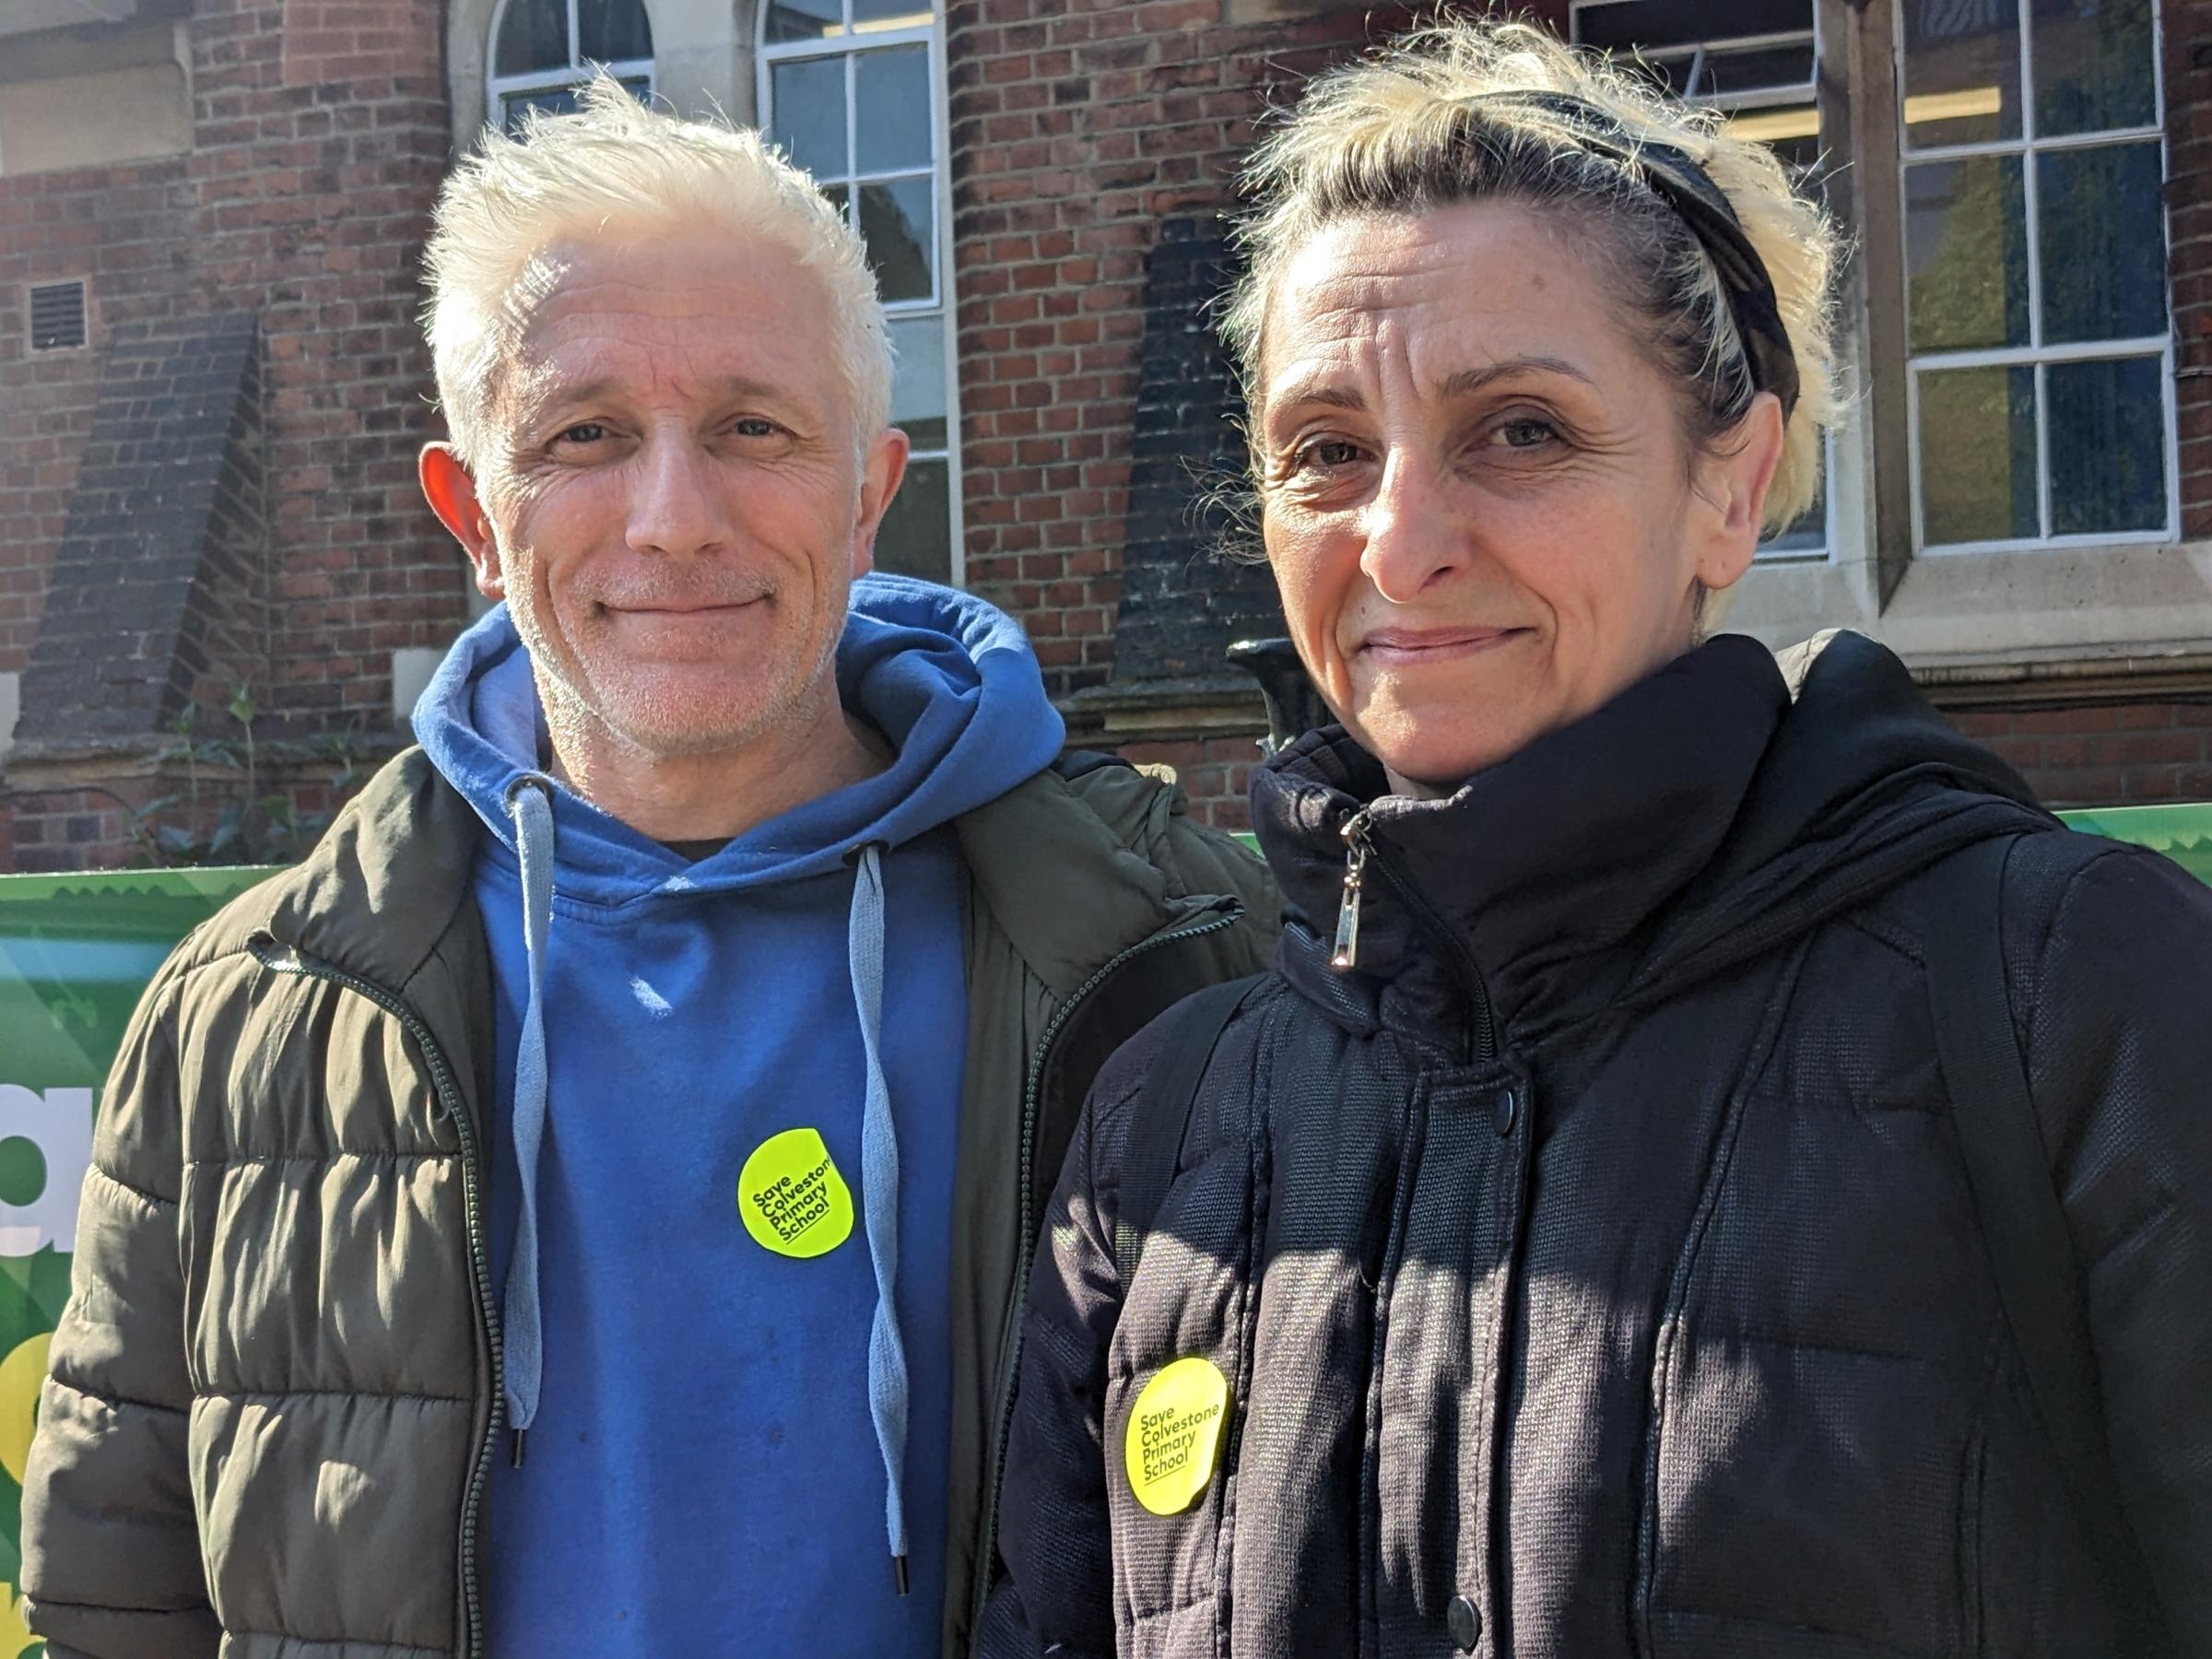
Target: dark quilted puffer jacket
1593 1267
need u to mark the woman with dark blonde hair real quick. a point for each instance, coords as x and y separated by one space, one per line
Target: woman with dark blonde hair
1715 1170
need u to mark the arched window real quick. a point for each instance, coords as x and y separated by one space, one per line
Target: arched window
853 91
543 50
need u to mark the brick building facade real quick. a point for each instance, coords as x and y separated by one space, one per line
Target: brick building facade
216 488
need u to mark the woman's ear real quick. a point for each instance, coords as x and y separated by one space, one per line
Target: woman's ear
1735 477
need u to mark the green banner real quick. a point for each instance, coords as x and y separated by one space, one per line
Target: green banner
76 952
2183 833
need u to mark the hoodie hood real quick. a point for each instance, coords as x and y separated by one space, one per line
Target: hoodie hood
949 681
1723 804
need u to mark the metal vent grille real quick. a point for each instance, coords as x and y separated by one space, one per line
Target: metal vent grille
57 316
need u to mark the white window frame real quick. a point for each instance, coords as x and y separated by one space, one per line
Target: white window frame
2035 354
848 43
1749 102
499 87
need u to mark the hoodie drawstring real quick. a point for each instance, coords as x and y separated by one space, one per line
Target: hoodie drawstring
529 800
879 1200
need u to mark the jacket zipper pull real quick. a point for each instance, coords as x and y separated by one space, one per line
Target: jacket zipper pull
1346 954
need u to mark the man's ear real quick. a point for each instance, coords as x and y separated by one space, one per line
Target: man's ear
1736 481
880 473
451 494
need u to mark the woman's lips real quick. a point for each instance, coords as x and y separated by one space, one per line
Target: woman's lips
1412 647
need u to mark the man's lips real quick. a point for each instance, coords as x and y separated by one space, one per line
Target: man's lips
678 608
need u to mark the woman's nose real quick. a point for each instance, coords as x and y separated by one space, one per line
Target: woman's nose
1411 538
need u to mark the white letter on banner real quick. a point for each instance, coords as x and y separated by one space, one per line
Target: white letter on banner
59 1123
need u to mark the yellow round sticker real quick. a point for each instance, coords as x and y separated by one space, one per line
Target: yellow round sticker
792 1197
1174 1434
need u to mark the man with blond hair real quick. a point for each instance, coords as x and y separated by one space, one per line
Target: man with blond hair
582 1208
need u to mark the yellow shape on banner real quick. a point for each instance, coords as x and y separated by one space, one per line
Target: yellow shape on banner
20 1375
1175 1434
16 1639
792 1197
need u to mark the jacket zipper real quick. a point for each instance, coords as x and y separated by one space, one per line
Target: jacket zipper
280 957
1360 851
981 1591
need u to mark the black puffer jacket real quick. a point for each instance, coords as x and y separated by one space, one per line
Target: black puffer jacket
1599 1255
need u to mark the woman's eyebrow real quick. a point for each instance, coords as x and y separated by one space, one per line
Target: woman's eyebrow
1475 380
1319 392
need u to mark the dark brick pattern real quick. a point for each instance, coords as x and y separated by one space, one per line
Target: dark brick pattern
1186 595
156 589
125 227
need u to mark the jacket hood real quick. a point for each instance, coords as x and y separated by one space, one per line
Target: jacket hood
1722 805
949 681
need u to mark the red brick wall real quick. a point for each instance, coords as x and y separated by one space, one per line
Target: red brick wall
2130 754
1075 131
1215 773
319 134
67 830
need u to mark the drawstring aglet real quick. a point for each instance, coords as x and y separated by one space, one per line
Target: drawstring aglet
899 1572
515 1448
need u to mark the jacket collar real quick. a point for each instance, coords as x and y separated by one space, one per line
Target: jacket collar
1536 883
382 886
387 880
1067 871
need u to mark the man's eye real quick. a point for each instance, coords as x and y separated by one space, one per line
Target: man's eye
753 426
583 432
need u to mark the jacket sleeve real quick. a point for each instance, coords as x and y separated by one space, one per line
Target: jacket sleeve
2119 1045
1055 1531
111 1551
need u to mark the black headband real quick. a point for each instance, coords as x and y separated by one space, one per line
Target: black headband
1676 179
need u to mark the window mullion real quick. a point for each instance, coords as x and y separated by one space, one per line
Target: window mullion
2031 207
2042 450
852 130
575 39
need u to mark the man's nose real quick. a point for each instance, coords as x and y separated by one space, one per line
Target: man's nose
1411 533
674 510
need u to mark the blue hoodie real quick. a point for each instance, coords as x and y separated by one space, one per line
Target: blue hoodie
727 1437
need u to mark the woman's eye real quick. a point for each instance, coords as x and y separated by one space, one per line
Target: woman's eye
1526 434
1329 452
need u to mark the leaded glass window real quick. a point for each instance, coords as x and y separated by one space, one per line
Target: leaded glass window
2041 361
